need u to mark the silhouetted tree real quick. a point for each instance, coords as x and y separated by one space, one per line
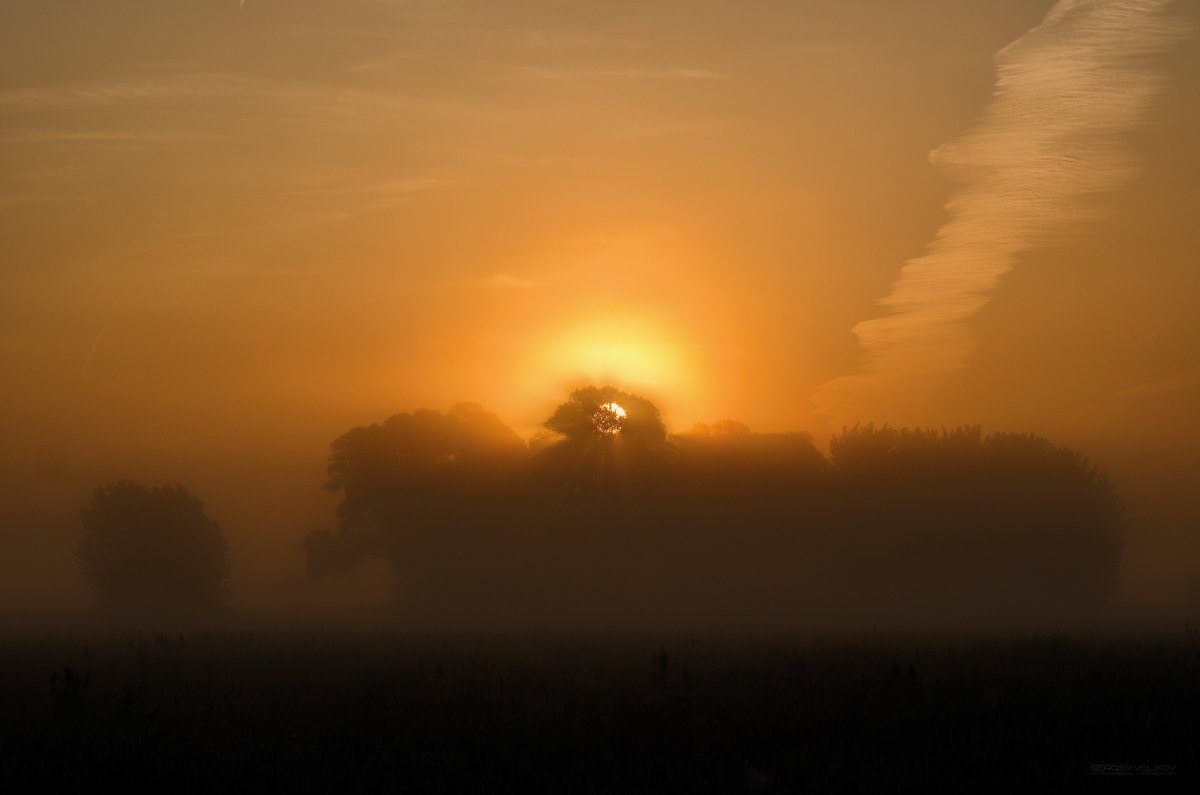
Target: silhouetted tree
152 549
585 416
728 451
421 491
1007 521
610 453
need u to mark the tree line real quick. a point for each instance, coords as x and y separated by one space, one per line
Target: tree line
606 516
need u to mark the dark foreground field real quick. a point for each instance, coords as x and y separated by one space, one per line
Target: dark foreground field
330 712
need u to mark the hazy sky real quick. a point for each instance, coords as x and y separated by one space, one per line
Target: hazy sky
230 231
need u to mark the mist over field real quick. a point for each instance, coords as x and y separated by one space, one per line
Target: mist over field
235 231
450 521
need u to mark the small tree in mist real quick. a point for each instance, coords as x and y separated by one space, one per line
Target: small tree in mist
152 549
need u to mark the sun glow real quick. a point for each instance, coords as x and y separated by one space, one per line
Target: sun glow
632 351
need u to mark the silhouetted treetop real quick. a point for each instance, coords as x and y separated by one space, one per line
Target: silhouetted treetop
729 450
152 548
587 415
425 439
412 457
1021 519
867 447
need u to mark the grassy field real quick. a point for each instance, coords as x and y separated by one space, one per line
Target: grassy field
471 713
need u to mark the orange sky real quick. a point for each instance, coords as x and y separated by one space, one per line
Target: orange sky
231 231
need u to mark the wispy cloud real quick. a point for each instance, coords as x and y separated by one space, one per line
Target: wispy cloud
1117 406
611 73
83 371
373 195
507 281
210 96
494 281
97 138
136 88
1053 137
215 116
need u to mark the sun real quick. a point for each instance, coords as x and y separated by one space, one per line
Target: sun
608 418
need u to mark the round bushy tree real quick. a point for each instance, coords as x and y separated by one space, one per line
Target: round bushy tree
152 549
606 411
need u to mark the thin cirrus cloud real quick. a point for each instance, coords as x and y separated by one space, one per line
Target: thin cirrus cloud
495 281
97 93
314 103
614 73
507 281
1141 399
97 138
209 114
1053 137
